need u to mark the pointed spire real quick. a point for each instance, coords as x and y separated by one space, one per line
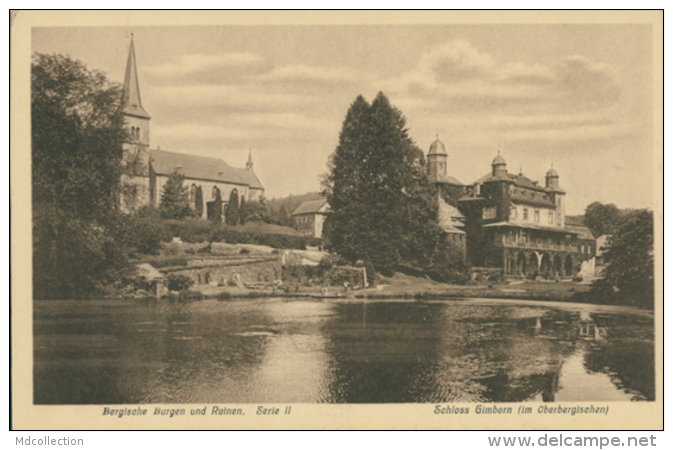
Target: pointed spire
132 101
249 165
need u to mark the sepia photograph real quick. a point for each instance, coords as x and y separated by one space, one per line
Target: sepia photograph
229 223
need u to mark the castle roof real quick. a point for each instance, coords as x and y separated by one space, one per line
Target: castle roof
449 218
196 167
311 207
445 179
551 173
437 148
133 105
530 226
576 225
498 160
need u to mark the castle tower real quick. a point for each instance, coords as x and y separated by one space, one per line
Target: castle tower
551 179
499 165
556 194
137 119
437 158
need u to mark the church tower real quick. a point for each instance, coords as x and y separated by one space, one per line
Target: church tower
137 119
137 188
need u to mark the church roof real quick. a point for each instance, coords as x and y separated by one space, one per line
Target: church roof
439 178
249 177
196 167
133 105
312 207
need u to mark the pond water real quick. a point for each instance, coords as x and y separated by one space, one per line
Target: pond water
301 351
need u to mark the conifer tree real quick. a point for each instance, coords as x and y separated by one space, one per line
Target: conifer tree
175 198
382 206
231 216
217 207
199 202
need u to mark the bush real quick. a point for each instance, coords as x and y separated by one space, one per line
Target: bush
143 231
168 263
179 282
448 263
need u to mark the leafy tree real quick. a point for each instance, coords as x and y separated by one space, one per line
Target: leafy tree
175 198
448 263
77 136
256 211
231 216
629 260
601 219
77 133
382 204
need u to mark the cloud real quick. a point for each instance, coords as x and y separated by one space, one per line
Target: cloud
455 61
458 76
303 74
232 96
588 81
200 62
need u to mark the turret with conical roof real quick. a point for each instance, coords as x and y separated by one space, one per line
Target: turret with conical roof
137 119
437 158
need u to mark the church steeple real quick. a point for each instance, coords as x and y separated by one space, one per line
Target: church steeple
250 165
137 119
132 101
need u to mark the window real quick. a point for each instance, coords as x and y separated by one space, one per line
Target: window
524 236
550 220
489 212
537 216
525 214
512 213
192 196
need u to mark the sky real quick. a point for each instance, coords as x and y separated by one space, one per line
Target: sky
577 96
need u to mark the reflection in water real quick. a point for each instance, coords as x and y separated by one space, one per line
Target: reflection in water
121 351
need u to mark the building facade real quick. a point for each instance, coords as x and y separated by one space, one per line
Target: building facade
510 221
310 217
147 170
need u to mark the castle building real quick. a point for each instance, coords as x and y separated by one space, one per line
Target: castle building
448 190
510 221
147 170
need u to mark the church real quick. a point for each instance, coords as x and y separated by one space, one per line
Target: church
509 221
147 169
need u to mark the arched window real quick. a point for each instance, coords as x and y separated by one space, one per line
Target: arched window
192 196
215 191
